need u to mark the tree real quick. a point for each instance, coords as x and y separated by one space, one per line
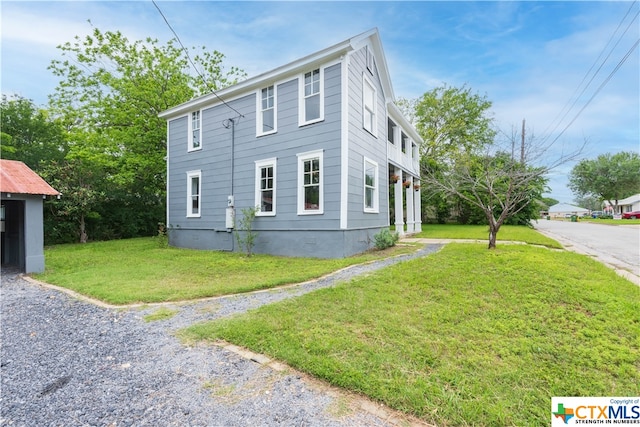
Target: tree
593 203
109 97
29 134
452 120
498 185
609 177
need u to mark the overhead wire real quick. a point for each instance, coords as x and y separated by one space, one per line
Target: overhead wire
563 114
186 51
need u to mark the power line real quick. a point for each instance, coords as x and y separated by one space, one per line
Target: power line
577 98
602 85
186 51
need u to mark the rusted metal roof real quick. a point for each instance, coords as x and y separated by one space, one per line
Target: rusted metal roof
18 178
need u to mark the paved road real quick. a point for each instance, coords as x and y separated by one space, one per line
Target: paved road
616 245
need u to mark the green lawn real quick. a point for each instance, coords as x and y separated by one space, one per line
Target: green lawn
465 336
138 270
611 221
507 233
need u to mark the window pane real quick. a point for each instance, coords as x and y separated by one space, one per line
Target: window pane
312 107
267 120
195 184
266 204
368 196
312 197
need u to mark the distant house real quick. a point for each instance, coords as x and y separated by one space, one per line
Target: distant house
564 209
317 144
22 233
629 204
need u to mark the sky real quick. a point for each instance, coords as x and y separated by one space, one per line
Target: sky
560 66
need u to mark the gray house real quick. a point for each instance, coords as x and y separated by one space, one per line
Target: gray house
21 229
317 144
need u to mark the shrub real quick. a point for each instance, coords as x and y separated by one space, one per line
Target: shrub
385 239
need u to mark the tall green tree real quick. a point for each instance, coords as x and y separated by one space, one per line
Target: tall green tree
29 133
609 177
452 120
109 96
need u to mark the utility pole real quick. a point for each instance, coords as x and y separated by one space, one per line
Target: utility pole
522 145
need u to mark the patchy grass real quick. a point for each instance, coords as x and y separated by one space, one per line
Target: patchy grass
138 270
465 336
515 233
162 313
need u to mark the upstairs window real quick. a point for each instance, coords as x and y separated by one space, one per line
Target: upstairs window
266 187
391 133
193 194
311 97
195 132
369 59
404 140
368 106
370 186
267 117
310 192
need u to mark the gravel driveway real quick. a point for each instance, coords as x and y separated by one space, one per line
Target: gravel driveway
64 361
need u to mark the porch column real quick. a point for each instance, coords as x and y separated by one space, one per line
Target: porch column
397 191
417 205
410 212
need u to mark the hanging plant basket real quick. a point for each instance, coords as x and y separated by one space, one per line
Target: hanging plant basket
395 178
407 184
416 187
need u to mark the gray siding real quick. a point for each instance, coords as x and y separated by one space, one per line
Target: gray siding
214 160
363 144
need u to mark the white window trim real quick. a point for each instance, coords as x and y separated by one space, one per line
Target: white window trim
376 201
258 196
190 146
301 98
259 116
302 157
369 59
366 82
190 175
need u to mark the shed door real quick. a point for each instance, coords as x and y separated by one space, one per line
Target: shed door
12 238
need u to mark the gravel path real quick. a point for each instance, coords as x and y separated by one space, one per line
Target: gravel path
66 362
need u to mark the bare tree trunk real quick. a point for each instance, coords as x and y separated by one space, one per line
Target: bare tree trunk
494 227
83 230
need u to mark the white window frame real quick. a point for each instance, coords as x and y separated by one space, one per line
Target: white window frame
302 158
190 176
260 111
260 164
302 113
375 199
190 146
369 110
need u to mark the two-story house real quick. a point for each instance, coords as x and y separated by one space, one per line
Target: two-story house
317 144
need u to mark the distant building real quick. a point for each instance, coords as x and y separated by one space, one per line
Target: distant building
629 204
564 209
22 231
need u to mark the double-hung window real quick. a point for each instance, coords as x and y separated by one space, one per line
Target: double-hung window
311 97
310 192
368 106
194 202
195 131
267 113
370 186
266 187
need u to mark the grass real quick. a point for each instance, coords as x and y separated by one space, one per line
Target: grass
138 270
611 221
162 313
466 336
481 232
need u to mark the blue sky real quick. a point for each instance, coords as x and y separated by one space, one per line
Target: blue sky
528 58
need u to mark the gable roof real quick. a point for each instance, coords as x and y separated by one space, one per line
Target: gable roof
565 207
18 178
368 38
626 201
